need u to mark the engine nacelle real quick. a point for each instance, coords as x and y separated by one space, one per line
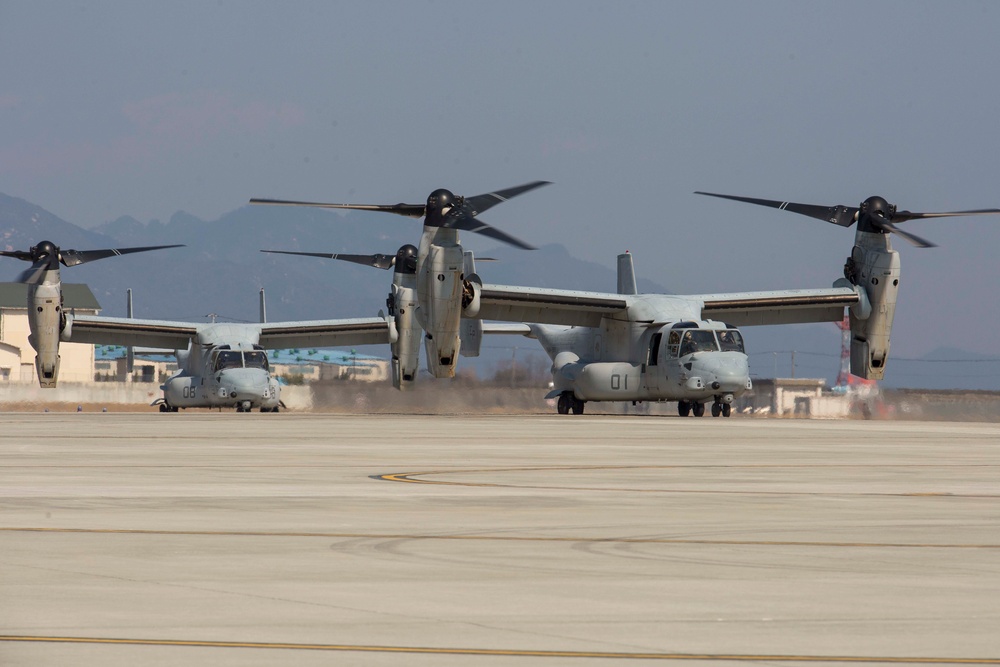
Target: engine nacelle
45 320
406 348
874 267
440 292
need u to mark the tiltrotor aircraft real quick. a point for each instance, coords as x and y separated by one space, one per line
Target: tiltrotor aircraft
224 365
46 318
651 347
439 278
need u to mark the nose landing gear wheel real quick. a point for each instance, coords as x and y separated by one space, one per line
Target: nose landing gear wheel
569 403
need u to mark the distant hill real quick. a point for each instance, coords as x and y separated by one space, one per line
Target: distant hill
222 269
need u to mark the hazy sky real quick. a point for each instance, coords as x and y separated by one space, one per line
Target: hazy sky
144 108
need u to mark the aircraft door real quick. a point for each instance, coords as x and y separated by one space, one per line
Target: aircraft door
655 356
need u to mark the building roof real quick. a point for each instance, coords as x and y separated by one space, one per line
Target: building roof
15 295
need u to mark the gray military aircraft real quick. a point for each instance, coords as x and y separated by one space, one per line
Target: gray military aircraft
650 347
653 347
440 278
46 318
222 365
225 364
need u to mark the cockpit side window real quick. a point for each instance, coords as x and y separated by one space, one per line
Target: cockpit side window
228 359
674 343
698 340
255 359
731 341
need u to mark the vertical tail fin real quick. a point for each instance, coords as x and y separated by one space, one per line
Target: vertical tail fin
626 274
129 352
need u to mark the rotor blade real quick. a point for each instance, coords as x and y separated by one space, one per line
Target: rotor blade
325 255
481 203
408 210
838 215
17 254
470 223
74 257
33 275
912 238
378 260
902 216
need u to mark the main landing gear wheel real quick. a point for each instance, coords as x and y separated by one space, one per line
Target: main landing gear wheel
683 408
698 409
719 408
569 403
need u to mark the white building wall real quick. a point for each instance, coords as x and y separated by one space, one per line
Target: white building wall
76 360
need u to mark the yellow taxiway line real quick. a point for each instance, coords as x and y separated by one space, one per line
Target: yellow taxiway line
524 653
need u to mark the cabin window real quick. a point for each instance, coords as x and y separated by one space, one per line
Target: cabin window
698 340
654 349
731 340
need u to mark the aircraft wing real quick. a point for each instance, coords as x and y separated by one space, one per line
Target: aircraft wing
162 334
778 307
548 306
325 333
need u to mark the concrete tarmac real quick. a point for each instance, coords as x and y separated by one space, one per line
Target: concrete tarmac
225 539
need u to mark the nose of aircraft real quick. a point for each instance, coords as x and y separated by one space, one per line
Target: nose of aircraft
729 369
244 383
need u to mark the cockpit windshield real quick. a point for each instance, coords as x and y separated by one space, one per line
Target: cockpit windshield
698 340
236 359
255 359
229 359
731 341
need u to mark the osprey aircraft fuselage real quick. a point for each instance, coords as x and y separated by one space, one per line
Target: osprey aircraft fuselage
651 347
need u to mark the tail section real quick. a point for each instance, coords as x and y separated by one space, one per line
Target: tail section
626 274
129 351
